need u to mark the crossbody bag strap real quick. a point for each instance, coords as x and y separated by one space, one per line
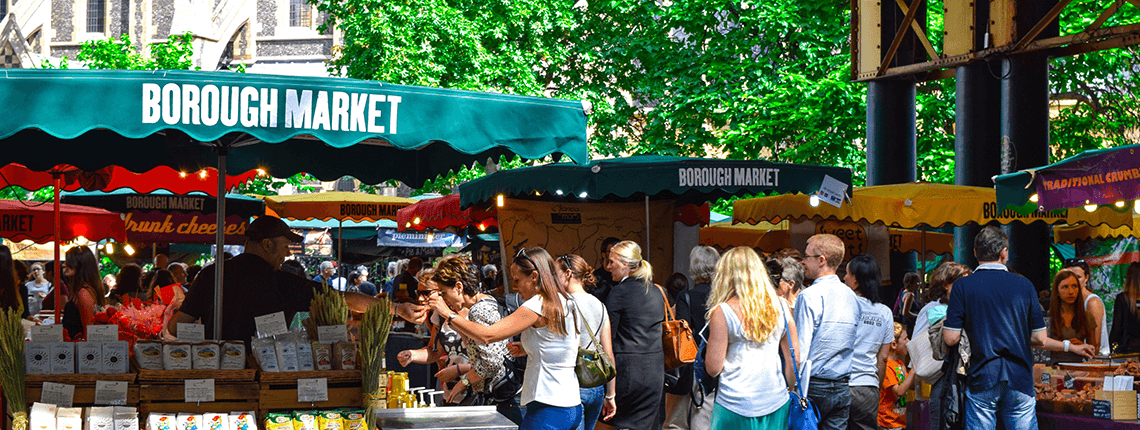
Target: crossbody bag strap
589 330
791 347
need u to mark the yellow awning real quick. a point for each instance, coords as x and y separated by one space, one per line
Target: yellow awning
770 237
1073 233
337 205
915 204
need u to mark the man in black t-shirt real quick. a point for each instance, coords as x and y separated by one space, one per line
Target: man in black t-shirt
405 286
254 286
603 280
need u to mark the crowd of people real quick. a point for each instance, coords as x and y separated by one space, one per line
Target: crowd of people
757 319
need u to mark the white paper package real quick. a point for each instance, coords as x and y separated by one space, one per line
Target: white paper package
89 357
62 358
116 357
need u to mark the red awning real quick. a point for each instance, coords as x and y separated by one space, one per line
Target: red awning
23 220
114 178
441 213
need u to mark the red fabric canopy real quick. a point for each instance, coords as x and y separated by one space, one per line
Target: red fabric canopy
22 220
441 213
114 178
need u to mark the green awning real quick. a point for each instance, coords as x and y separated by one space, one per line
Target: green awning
688 180
327 127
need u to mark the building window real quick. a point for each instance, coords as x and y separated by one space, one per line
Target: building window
300 14
96 16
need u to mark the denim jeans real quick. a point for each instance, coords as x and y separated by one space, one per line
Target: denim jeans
592 399
833 399
511 410
1016 409
541 416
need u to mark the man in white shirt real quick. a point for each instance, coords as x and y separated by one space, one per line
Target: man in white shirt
827 317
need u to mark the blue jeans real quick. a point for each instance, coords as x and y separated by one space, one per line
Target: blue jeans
541 416
511 410
592 399
833 399
1017 409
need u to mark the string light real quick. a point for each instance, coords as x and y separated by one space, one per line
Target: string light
1033 198
416 221
182 174
813 201
202 174
129 249
499 200
1090 207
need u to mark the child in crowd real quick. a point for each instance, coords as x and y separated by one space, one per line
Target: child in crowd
896 382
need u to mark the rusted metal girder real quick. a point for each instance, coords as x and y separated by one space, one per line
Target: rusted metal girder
1094 38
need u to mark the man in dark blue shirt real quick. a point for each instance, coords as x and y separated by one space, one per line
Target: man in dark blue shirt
1001 317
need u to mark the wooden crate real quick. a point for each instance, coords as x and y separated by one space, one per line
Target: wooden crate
84 386
279 390
170 398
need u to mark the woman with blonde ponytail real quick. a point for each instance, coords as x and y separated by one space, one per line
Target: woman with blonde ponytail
636 308
747 335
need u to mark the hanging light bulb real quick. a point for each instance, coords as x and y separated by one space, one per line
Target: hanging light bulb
1034 198
182 174
582 195
1136 208
109 248
260 172
499 200
813 201
430 236
416 221
482 227
1090 207
559 192
129 249
202 174
1120 205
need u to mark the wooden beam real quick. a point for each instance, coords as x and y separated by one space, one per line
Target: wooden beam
1044 22
1108 13
922 34
897 41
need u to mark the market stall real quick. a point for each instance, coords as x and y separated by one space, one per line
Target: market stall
325 127
569 208
768 237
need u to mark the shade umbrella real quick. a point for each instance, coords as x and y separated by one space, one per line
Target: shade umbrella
770 237
442 213
912 205
336 205
326 127
642 177
1098 177
54 222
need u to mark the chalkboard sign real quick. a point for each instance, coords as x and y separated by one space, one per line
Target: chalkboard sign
1102 409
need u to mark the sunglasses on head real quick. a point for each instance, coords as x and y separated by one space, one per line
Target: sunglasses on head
1074 261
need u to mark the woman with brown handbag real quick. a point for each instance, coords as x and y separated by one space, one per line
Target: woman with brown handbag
636 309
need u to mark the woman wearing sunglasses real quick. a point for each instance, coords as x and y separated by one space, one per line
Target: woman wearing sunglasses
550 387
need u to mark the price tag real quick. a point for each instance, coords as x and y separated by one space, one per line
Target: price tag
312 390
48 333
1069 380
199 390
832 191
102 333
332 333
1045 378
112 393
271 324
193 333
57 394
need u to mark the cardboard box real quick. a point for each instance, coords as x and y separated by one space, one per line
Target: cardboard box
1115 405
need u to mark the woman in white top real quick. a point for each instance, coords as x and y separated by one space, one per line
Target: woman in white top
38 288
746 338
1093 303
550 387
873 339
576 274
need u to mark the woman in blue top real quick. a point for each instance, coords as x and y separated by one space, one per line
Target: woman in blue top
747 335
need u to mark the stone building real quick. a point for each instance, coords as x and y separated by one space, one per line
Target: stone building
268 36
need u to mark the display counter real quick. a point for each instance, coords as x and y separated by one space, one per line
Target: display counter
444 418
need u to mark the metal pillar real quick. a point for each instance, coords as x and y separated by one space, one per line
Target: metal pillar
891 151
977 141
1025 144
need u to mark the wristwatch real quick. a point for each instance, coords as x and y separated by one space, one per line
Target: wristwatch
452 316
1067 343
464 380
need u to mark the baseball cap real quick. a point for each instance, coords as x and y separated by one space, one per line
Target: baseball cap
268 227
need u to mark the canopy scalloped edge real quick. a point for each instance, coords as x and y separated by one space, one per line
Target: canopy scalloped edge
914 226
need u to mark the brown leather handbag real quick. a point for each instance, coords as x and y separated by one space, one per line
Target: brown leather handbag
676 339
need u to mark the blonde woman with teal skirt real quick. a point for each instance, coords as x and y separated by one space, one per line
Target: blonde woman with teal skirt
749 329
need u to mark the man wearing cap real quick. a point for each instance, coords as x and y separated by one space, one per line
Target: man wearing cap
254 286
